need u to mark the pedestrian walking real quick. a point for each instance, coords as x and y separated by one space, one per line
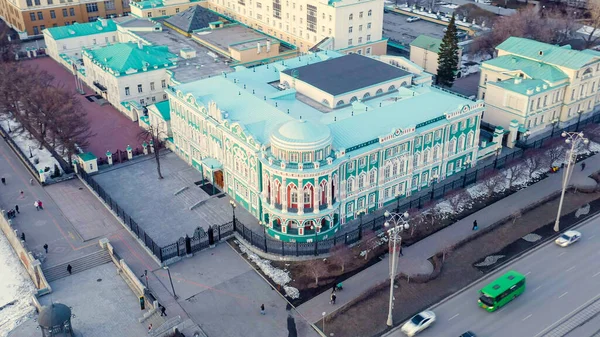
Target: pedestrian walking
46 247
150 328
22 193
23 237
475 227
582 166
163 310
36 205
17 208
31 181
262 309
3 181
333 290
333 297
40 204
70 269
401 251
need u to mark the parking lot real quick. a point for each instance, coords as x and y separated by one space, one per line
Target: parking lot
397 28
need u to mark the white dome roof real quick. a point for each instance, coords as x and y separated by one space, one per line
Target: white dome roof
301 135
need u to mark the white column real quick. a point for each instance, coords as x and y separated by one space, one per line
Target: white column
284 201
328 194
300 196
272 193
317 198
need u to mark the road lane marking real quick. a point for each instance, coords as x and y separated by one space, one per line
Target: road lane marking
571 268
561 254
528 273
453 317
537 288
566 292
598 273
524 319
591 237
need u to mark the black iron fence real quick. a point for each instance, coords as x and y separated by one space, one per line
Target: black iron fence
537 143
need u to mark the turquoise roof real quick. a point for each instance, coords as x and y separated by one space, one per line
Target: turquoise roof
249 98
147 4
83 29
533 69
87 156
524 85
125 58
547 53
164 109
427 42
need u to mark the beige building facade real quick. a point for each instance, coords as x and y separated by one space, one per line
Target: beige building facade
424 52
539 86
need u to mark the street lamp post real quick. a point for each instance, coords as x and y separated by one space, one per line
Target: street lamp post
572 138
398 223
554 123
579 112
30 153
232 203
313 227
498 149
398 202
434 179
170 280
360 214
264 226
526 135
466 166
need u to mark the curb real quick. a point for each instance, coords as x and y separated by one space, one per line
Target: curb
517 258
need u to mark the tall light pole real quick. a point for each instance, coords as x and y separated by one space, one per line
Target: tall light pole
314 227
264 226
434 179
572 138
170 280
554 123
466 166
498 149
398 223
232 203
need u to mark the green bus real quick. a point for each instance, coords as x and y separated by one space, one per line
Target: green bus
502 290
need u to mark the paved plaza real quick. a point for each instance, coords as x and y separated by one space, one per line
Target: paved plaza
111 129
152 202
397 28
222 293
101 302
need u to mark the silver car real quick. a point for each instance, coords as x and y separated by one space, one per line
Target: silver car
568 238
418 323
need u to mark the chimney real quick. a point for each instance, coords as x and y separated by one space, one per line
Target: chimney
140 45
104 23
268 46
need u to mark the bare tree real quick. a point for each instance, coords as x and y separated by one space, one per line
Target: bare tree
514 171
370 241
457 200
155 134
447 251
592 36
592 132
556 150
491 180
534 161
316 268
9 45
71 128
341 255
515 216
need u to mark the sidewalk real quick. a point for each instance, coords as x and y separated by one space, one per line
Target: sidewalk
415 257
72 226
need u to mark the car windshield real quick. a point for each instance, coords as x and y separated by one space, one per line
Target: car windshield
416 320
565 237
485 299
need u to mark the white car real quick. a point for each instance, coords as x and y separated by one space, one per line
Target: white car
418 323
413 19
568 238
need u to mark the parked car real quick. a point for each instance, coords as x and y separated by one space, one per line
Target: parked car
568 238
413 19
418 323
468 334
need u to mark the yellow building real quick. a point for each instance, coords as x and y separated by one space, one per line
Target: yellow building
424 52
534 86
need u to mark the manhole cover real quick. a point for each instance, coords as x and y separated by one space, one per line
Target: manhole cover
99 280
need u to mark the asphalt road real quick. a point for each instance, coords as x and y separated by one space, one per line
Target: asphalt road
559 281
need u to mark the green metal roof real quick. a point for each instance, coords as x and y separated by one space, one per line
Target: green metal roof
87 156
502 283
148 4
524 85
547 53
124 58
163 109
533 69
427 42
83 29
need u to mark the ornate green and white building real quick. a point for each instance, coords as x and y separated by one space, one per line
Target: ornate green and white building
306 144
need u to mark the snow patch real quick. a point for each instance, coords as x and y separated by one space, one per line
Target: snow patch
280 277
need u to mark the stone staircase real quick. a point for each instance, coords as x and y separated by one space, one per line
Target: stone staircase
155 319
89 261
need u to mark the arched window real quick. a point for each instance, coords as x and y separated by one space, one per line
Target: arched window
294 195
361 181
416 159
340 103
323 192
386 172
353 99
379 92
426 156
470 139
436 152
350 185
366 95
461 143
350 17
395 168
587 71
452 146
403 84
392 88
372 177
325 102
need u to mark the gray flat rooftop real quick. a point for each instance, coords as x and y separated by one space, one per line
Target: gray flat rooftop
206 63
225 37
132 22
153 205
347 73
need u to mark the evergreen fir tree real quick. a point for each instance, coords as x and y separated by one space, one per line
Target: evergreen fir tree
448 56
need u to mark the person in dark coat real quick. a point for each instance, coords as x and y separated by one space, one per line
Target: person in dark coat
262 309
475 225
333 297
46 247
582 166
17 208
23 237
70 269
163 310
